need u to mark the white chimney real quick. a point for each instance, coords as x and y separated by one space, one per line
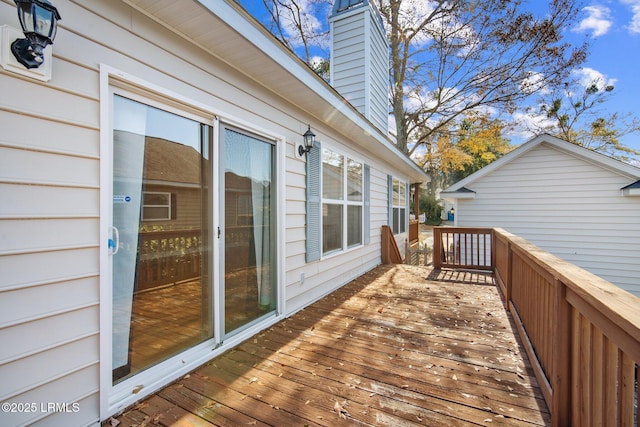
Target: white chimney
360 58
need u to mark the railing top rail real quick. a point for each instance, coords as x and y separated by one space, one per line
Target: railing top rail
613 302
469 230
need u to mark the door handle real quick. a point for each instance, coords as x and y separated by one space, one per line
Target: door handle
114 241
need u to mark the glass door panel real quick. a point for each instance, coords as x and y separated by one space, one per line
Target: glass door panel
249 225
161 213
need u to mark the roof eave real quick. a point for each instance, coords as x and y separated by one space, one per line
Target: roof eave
282 72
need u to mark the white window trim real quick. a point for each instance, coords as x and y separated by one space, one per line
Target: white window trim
402 187
168 206
345 203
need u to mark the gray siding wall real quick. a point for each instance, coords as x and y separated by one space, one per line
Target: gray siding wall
360 63
349 60
567 206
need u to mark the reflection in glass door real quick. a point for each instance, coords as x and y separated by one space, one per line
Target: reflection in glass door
249 229
161 220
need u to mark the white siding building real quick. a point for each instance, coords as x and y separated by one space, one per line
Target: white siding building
573 202
158 167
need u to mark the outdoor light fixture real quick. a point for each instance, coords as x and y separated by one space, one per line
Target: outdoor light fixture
39 22
309 139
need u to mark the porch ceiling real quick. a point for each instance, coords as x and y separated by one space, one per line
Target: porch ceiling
256 54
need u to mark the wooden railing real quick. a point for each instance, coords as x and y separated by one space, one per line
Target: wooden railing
581 332
168 257
390 251
462 248
414 230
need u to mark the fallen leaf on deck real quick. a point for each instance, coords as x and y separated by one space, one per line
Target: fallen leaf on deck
340 409
140 406
113 422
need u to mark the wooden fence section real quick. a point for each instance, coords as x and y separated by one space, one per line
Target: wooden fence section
581 332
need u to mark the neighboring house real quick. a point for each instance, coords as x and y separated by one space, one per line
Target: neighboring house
571 201
154 208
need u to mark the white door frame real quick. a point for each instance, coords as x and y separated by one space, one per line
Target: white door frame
114 399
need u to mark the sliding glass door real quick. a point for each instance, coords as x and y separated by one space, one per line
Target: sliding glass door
164 269
160 240
249 228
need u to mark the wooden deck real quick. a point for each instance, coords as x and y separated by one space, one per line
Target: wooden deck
401 346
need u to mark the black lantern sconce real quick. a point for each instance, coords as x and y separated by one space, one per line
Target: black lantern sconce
309 138
39 22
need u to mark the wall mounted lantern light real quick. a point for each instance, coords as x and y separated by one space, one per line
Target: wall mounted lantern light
309 139
39 22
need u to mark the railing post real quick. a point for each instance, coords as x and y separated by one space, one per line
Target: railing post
509 275
407 252
560 377
493 250
437 247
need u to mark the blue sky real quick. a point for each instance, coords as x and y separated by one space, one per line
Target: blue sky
611 27
613 31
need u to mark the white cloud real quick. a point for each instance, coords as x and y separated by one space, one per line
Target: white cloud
587 76
634 24
526 125
534 83
310 24
598 20
413 14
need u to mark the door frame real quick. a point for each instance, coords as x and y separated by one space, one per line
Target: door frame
114 399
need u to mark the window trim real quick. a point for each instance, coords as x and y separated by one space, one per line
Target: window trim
345 203
401 206
113 80
168 206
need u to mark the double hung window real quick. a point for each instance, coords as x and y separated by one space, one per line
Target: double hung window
342 202
399 206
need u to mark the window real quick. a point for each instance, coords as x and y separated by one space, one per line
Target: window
342 202
399 206
156 206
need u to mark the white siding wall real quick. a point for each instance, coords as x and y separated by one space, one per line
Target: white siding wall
49 217
566 206
50 196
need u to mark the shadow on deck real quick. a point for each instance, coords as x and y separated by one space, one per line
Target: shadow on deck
400 345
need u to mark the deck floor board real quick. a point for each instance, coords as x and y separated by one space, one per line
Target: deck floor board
401 345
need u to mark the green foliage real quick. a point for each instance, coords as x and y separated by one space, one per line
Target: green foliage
574 116
430 206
